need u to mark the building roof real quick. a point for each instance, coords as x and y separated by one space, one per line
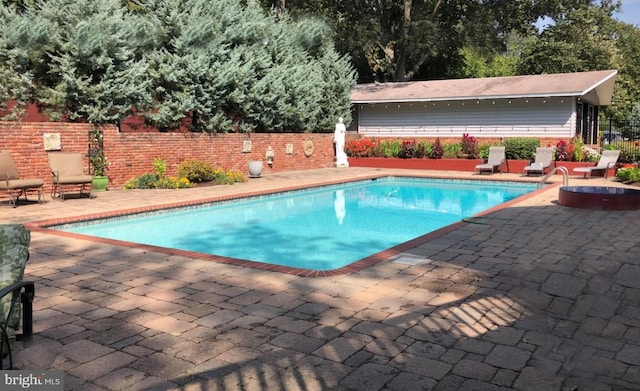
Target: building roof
595 87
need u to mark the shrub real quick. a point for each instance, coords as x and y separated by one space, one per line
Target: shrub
360 148
190 172
451 150
483 151
159 167
408 150
224 177
144 181
196 171
629 174
469 146
437 151
173 183
521 148
423 149
388 148
579 154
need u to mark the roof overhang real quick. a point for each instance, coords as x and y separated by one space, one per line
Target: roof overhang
594 87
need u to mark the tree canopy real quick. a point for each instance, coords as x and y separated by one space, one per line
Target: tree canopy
391 40
276 65
588 38
226 64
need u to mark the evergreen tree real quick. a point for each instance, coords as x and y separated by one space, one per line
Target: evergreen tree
15 71
75 58
234 67
225 65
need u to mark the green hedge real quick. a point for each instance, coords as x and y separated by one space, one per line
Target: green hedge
521 148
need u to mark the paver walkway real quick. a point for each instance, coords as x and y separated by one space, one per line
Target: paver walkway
532 297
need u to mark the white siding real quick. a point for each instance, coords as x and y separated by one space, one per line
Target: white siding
532 117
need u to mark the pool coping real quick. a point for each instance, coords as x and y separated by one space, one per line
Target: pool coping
384 255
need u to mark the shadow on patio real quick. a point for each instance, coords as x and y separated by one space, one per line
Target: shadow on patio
526 298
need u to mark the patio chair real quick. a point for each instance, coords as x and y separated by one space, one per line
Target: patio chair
16 295
67 170
608 160
544 158
495 162
11 183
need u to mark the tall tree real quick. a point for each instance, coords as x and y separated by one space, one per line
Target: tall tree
582 40
15 70
586 39
225 64
243 70
79 58
404 40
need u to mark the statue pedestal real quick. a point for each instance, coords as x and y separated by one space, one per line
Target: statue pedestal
341 161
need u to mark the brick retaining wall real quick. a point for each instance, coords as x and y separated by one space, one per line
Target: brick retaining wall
132 154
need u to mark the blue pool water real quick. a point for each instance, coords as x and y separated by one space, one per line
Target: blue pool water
320 229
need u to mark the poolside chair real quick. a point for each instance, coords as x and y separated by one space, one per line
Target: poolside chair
544 158
608 160
67 170
16 296
10 182
495 162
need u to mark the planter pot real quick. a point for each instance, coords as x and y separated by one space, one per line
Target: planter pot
514 166
255 168
99 183
416 164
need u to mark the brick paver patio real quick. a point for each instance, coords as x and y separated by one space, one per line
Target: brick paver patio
532 297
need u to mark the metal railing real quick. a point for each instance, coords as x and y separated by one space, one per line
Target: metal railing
565 176
622 135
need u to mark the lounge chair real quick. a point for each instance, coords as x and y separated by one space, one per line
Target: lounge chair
544 158
495 161
10 182
608 160
16 295
67 170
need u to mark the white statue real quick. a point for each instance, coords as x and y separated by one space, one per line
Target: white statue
338 138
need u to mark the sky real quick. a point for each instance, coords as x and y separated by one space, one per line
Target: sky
630 12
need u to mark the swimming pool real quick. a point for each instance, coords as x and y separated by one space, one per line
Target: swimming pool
321 228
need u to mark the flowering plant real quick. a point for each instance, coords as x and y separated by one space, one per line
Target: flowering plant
360 148
469 146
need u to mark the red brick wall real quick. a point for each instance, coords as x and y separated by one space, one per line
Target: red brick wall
132 154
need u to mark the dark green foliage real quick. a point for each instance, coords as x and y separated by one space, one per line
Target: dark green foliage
521 148
225 65
80 58
144 181
196 171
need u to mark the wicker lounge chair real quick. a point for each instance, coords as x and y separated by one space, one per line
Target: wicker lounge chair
544 158
11 183
16 296
495 162
67 170
608 160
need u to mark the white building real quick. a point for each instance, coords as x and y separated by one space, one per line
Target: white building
546 106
